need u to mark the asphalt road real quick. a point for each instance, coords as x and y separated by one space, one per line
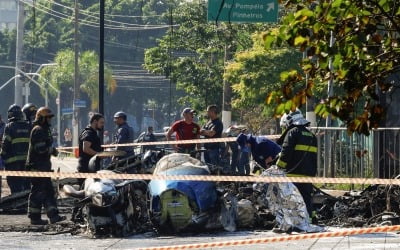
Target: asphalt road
14 240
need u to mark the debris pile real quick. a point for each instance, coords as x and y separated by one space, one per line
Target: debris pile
119 208
375 205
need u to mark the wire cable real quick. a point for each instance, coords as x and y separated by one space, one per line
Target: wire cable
91 23
112 15
108 20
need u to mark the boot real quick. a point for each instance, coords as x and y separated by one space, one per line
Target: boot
39 221
57 218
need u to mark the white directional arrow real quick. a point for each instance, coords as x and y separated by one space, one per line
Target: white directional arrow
271 6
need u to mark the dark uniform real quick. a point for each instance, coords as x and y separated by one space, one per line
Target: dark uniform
14 152
40 151
88 134
124 135
2 127
212 154
299 157
261 148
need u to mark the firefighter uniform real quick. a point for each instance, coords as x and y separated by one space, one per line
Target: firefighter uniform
299 154
40 151
14 152
15 147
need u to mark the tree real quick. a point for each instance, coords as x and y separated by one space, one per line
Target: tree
130 27
364 55
62 75
254 73
192 55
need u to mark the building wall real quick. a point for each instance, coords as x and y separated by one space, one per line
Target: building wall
8 14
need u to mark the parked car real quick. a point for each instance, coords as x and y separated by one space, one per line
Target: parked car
160 136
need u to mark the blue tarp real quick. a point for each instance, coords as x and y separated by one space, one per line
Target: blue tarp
202 192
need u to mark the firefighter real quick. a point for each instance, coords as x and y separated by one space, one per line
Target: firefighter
124 133
15 147
299 153
29 110
40 150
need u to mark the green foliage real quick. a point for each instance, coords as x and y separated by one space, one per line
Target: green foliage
192 55
364 54
63 74
256 72
49 29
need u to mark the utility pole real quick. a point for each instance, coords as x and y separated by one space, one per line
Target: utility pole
328 160
101 61
18 52
171 22
75 120
227 94
101 66
310 114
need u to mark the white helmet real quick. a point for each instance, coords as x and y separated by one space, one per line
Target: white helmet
235 130
293 118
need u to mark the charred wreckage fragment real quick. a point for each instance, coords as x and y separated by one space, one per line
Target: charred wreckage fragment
123 207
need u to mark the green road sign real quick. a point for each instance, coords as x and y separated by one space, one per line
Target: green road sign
244 11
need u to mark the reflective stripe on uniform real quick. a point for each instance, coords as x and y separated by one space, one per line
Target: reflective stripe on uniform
16 158
281 163
20 140
306 148
34 210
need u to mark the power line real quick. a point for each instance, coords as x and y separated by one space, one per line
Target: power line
112 15
120 45
108 20
91 23
149 87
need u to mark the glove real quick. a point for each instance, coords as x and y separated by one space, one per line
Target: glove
256 168
54 152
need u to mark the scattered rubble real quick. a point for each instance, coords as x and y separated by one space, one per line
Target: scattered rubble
374 206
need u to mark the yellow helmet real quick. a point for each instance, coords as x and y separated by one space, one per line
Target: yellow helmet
43 112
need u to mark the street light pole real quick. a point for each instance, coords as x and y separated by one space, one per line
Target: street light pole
28 75
75 119
18 52
101 65
27 88
101 59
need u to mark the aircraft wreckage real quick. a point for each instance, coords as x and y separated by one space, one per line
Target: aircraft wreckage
124 207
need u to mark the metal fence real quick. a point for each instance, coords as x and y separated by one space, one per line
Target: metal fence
344 155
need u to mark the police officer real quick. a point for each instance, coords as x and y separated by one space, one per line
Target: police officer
29 110
40 151
89 142
149 137
212 129
299 153
124 133
15 147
